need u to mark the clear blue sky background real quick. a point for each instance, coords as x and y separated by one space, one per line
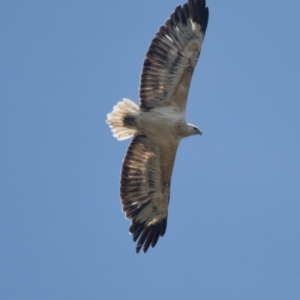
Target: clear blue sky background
234 219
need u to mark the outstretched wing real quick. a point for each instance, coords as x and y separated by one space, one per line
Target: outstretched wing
172 57
145 188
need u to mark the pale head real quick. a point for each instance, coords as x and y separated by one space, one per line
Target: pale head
185 130
193 130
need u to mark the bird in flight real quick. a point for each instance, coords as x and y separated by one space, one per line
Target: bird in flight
158 124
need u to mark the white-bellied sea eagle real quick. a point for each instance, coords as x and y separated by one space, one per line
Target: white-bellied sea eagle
158 124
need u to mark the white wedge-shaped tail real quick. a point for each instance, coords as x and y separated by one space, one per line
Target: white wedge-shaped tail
115 119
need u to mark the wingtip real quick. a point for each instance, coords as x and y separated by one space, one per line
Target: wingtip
137 249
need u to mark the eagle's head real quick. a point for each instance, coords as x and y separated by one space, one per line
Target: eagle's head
193 130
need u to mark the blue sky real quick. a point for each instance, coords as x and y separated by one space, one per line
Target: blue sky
234 218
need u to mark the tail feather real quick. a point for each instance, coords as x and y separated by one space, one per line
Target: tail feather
115 119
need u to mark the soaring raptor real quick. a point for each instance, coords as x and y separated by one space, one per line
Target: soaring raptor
158 124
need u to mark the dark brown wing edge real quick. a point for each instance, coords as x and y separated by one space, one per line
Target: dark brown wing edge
160 53
136 195
199 12
148 235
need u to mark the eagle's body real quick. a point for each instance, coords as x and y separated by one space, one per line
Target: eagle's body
164 122
158 124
